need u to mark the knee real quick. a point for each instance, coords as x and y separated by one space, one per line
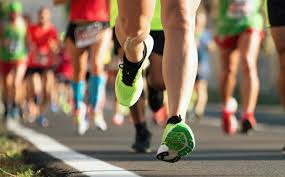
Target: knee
179 18
79 74
133 27
249 68
229 71
98 68
36 83
49 77
9 81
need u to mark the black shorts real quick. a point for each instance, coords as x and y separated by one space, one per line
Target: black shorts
70 32
276 12
61 78
39 70
159 39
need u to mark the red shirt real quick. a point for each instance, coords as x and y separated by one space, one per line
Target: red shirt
40 54
89 10
65 66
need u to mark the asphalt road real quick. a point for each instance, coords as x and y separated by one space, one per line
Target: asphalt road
215 155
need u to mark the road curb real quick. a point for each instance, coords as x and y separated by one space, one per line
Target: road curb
47 165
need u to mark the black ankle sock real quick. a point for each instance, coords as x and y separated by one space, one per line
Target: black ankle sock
131 64
155 99
138 64
141 128
174 120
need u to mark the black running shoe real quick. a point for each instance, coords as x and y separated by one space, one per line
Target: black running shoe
155 99
142 142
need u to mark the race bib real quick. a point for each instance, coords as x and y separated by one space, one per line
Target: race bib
240 8
42 58
86 35
13 46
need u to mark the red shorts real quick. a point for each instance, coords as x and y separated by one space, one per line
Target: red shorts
230 42
65 69
6 67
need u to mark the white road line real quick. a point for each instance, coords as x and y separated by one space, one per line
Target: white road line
86 165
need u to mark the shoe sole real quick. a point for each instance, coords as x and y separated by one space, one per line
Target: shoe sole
179 142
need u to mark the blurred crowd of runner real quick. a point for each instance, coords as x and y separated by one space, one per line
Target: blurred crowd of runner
42 70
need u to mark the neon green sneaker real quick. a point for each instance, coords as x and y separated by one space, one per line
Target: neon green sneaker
177 141
129 80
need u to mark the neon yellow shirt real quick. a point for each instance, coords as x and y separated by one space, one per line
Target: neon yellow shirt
155 23
113 13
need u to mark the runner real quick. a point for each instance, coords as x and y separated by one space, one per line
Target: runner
239 36
13 54
64 73
276 14
43 40
87 33
205 44
179 64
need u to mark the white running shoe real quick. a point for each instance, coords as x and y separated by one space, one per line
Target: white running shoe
82 122
100 122
118 119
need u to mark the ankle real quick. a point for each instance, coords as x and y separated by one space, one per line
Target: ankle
174 119
141 128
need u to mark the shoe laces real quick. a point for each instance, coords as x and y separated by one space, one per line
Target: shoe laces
129 73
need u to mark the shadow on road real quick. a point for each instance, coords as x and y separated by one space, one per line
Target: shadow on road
197 155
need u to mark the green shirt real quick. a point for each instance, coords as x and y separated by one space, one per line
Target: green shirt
235 16
155 23
13 42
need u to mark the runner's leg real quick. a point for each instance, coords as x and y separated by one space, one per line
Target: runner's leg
97 79
79 62
249 46
143 136
132 30
156 87
278 34
178 18
229 68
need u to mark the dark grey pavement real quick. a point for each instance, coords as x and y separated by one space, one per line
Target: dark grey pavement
215 155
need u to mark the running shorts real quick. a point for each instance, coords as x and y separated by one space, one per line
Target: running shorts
6 67
276 12
73 28
40 70
158 37
230 42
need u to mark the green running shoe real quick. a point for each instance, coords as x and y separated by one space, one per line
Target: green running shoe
129 80
177 141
